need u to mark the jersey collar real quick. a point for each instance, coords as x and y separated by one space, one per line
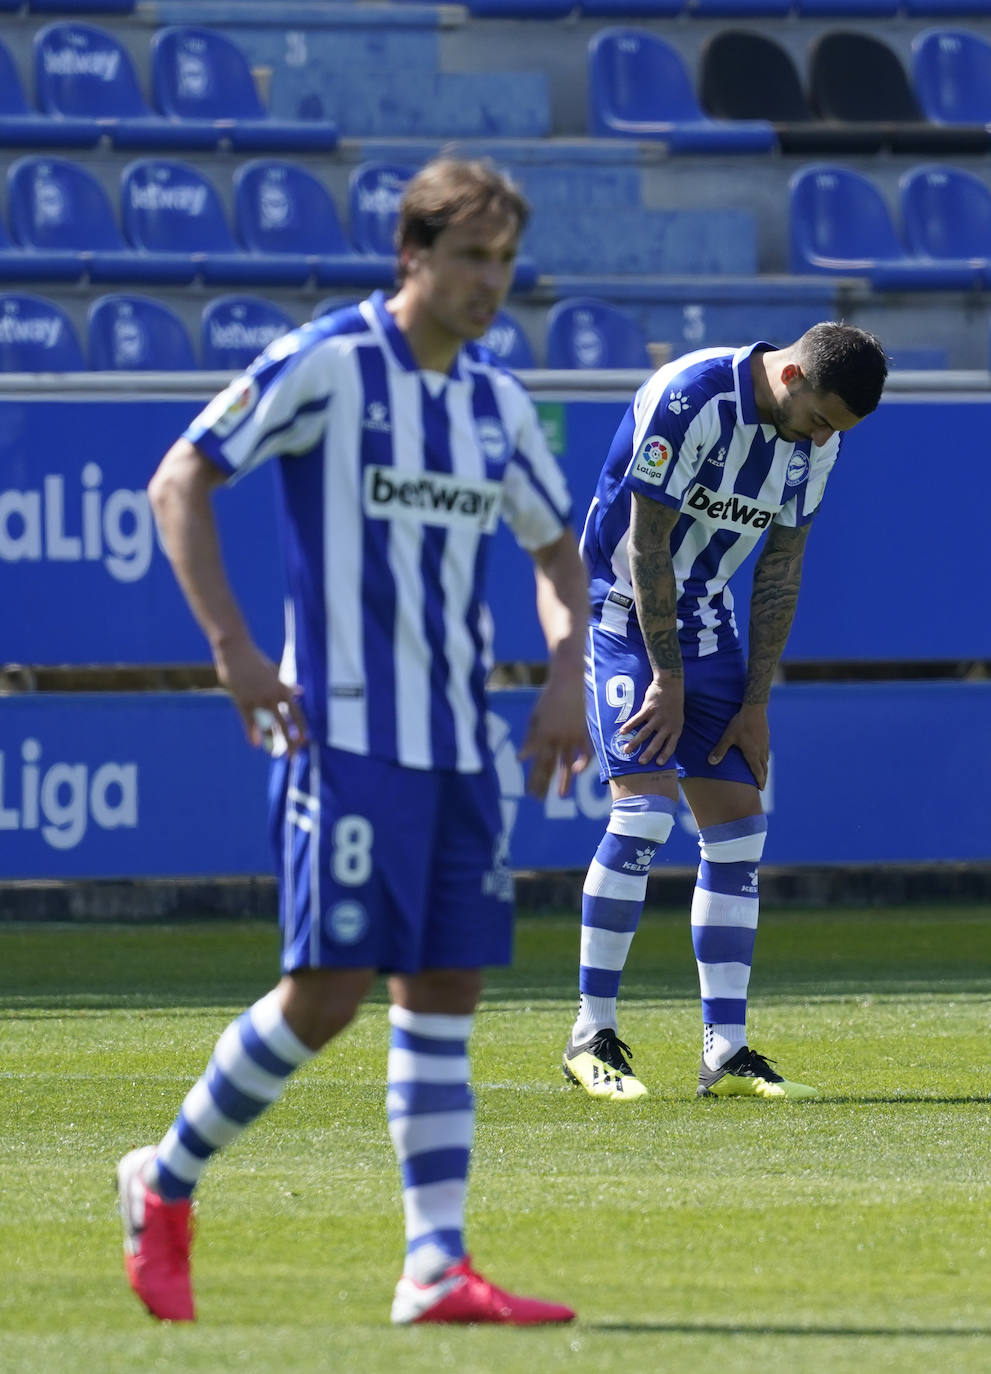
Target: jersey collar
396 340
745 381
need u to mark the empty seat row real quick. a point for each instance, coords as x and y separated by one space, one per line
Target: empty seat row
173 226
751 96
840 225
133 333
87 89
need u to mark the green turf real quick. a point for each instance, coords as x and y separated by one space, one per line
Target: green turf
849 1234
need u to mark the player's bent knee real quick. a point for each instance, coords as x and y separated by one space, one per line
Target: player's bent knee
319 1003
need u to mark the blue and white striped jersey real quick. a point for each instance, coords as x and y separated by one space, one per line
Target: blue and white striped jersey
692 439
391 479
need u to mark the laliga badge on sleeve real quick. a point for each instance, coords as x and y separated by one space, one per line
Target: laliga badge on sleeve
652 458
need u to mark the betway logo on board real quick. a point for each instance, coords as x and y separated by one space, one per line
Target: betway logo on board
727 512
433 498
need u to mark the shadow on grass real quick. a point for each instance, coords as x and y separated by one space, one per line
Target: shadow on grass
816 1332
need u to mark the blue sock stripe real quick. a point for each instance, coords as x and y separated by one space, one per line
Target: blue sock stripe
610 913
171 1187
435 1166
256 1049
445 1239
723 944
599 982
426 1044
733 880
236 1105
724 1011
734 830
416 1099
190 1138
620 853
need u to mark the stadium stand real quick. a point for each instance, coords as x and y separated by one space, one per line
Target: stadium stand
22 127
200 74
638 87
744 74
126 333
946 214
857 77
951 70
583 332
236 329
285 211
840 224
62 216
36 335
507 340
76 6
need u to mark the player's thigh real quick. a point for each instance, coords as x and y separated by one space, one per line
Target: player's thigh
470 907
714 688
617 675
355 841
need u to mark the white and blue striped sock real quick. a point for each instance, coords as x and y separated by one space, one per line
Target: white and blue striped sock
612 903
725 908
431 1121
249 1070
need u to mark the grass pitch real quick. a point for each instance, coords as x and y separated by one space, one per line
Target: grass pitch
848 1234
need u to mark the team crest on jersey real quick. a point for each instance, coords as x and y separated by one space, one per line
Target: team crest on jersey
492 438
226 411
346 923
651 457
798 469
377 417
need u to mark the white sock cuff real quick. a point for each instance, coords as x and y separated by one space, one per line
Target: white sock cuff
643 818
734 842
270 1023
434 1025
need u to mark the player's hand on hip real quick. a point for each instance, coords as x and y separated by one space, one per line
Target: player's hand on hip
269 708
556 738
748 731
656 727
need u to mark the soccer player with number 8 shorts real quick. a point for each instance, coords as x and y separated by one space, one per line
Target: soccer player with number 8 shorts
397 444
719 449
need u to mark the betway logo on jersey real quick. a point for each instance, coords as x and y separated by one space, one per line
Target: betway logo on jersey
727 512
432 498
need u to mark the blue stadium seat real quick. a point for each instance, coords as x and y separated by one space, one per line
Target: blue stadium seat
935 9
738 9
639 88
61 214
583 332
85 72
951 70
203 75
136 334
237 328
22 127
629 9
845 9
506 339
78 6
840 225
284 210
946 213
374 192
36 335
173 213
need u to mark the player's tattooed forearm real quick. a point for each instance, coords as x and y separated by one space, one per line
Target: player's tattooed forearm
654 585
777 578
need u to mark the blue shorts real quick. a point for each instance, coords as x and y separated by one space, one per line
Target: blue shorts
385 867
617 674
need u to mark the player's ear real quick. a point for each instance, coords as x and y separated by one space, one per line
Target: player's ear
792 373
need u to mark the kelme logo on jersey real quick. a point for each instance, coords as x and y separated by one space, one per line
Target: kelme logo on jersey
798 469
432 498
727 512
652 458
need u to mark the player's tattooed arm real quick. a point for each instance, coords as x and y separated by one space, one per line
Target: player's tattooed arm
777 577
654 586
